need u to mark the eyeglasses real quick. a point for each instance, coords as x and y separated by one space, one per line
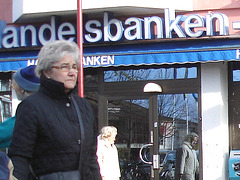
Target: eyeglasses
67 67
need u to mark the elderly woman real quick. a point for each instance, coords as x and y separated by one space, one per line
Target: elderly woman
54 136
107 154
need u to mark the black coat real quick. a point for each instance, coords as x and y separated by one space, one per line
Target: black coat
47 134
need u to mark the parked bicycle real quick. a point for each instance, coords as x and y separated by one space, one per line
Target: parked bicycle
134 171
168 170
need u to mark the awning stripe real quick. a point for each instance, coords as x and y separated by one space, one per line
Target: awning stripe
161 58
138 54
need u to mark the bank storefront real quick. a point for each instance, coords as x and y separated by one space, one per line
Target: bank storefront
197 71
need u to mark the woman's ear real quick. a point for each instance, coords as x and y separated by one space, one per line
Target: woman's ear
46 74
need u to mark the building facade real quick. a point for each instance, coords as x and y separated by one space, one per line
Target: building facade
189 48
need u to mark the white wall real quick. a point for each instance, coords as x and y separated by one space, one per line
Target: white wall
17 9
15 102
28 7
215 131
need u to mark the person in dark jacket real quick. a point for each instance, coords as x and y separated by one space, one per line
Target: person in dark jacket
24 83
48 133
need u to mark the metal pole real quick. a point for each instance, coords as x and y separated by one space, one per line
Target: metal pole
155 126
80 44
186 104
174 109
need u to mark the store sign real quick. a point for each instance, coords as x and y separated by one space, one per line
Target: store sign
98 60
114 30
93 61
237 54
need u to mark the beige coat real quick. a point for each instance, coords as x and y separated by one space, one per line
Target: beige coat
189 165
108 160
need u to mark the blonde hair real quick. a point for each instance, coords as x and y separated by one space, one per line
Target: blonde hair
107 131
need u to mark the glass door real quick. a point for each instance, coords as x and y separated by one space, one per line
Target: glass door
177 115
158 123
131 118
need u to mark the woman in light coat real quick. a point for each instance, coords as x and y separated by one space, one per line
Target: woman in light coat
107 154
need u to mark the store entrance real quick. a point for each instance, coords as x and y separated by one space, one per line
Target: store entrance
158 122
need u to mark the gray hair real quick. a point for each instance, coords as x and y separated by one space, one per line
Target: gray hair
53 52
20 92
190 137
107 131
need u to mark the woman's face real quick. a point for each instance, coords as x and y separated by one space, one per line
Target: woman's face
112 138
64 71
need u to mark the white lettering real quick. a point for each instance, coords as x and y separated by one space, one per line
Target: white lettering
111 59
88 61
11 39
194 21
66 29
147 27
92 30
32 62
237 54
211 24
104 60
32 29
98 60
47 33
172 23
109 28
134 31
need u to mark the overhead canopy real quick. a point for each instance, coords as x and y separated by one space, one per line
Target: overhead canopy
189 51
11 61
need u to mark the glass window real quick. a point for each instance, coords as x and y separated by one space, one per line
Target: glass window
5 85
131 119
5 99
234 102
236 75
178 116
150 74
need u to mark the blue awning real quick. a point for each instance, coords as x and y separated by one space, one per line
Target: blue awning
6 66
12 61
159 58
188 51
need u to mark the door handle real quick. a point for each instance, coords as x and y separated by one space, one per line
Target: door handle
141 154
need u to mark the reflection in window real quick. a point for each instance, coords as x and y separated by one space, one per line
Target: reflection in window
178 116
5 99
150 74
5 85
131 119
236 75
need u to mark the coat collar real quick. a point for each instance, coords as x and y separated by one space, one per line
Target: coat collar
53 88
188 144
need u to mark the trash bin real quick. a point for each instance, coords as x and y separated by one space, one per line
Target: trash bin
234 165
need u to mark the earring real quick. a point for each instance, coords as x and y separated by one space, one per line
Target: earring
48 77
